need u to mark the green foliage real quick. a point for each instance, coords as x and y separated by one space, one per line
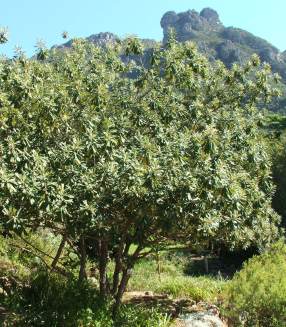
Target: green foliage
274 129
257 294
173 154
12 270
133 47
274 126
175 149
51 300
279 178
32 250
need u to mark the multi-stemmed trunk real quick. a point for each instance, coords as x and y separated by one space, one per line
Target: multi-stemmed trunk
126 274
127 268
124 263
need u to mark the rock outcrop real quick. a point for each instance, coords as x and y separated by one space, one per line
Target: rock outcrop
187 24
228 44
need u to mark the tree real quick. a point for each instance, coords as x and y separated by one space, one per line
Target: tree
274 128
117 164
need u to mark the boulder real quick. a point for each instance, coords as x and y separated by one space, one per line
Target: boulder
201 319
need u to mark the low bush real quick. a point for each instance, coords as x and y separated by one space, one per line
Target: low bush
51 300
257 294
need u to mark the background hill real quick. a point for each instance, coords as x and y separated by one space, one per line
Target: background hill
217 42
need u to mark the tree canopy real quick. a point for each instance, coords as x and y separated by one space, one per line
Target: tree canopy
109 152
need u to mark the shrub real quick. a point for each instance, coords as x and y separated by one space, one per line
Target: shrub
257 294
51 300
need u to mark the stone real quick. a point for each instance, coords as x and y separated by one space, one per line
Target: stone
202 319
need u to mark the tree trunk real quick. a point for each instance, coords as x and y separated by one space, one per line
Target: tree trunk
103 261
122 287
59 252
82 272
124 280
118 267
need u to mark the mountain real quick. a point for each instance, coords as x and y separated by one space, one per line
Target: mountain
228 44
104 38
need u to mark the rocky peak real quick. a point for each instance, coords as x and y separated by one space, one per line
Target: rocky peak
211 16
100 39
189 23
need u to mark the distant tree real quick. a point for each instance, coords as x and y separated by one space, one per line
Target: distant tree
127 164
275 134
279 179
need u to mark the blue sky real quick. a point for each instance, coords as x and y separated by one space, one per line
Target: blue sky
32 20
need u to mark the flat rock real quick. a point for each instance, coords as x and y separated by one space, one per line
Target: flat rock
201 319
